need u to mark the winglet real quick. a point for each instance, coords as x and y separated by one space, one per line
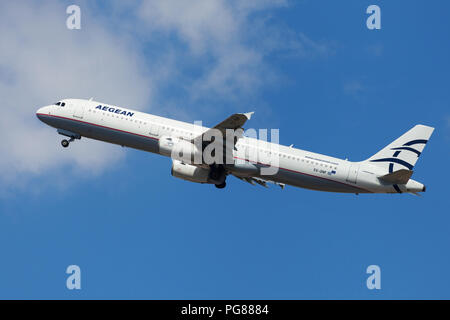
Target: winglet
248 114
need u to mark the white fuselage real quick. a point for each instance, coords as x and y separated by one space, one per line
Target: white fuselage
143 131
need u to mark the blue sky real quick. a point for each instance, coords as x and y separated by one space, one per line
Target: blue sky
310 68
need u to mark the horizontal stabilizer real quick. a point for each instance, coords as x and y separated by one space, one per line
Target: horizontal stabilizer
397 177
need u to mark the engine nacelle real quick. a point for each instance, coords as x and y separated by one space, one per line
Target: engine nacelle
179 149
190 173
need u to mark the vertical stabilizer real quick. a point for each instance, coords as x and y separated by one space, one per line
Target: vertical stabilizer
404 152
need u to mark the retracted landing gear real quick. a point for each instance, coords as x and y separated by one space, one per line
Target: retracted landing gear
221 186
217 176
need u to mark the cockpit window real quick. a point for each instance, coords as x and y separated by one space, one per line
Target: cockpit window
58 103
63 104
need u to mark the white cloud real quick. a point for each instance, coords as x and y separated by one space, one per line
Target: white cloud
200 23
227 41
214 33
42 61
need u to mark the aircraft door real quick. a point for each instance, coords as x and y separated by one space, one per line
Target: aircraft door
353 173
78 111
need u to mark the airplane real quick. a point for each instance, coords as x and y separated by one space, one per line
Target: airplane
388 171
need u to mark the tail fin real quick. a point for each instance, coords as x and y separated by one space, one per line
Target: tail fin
404 152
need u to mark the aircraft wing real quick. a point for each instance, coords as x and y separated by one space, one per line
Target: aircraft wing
235 121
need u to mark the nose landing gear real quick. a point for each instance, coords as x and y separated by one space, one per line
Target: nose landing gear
65 143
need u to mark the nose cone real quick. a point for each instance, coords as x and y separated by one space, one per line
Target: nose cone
41 112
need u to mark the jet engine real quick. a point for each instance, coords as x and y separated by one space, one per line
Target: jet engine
179 149
189 172
192 173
